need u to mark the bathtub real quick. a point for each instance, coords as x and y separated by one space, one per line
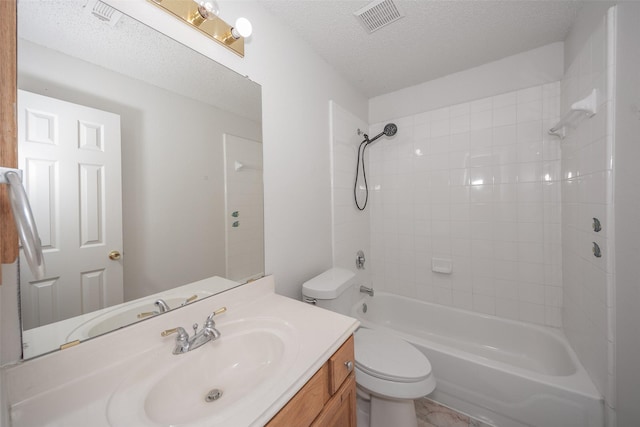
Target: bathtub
502 372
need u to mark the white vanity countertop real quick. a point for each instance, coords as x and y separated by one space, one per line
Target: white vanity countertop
73 387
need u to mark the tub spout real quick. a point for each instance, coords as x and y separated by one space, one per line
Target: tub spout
368 291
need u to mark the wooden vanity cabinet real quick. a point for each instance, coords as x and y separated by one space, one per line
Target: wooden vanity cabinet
328 399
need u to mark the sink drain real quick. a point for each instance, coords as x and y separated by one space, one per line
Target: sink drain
214 394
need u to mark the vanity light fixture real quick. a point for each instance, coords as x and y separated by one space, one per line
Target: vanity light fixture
207 10
203 16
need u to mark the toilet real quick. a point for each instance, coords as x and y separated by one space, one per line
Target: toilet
390 372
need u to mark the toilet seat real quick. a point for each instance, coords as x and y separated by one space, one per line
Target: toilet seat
390 367
388 357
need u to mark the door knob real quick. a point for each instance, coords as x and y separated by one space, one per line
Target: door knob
114 255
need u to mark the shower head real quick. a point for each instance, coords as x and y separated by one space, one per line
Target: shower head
389 130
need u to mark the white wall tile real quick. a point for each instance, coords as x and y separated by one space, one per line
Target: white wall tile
484 304
503 116
440 128
505 135
473 190
533 313
529 111
507 308
480 119
505 99
530 94
462 300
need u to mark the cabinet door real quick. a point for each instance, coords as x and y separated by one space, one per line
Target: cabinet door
306 404
341 364
340 411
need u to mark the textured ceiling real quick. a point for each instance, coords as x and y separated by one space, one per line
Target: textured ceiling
433 39
135 50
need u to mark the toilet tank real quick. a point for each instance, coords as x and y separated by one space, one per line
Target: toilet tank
332 290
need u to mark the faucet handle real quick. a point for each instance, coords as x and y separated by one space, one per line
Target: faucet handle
188 300
210 321
147 314
181 332
215 313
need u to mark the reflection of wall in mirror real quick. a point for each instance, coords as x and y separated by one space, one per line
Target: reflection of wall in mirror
244 194
173 182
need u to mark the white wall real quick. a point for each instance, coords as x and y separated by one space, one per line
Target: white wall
526 69
166 244
627 212
350 225
587 167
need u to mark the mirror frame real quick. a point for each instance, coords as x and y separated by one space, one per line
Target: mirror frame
8 122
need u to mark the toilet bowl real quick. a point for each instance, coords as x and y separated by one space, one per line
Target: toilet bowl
390 372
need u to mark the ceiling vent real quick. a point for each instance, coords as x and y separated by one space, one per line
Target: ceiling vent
103 12
377 14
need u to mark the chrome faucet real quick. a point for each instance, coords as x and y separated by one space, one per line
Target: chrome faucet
184 343
365 290
188 300
162 305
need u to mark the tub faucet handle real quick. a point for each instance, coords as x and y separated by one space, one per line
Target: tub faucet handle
360 260
366 290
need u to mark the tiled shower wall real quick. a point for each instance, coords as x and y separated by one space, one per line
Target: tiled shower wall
478 184
350 226
587 168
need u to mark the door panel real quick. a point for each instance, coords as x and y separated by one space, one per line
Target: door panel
71 157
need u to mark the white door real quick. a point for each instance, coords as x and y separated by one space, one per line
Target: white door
70 155
244 227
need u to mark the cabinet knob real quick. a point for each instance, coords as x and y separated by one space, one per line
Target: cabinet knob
349 365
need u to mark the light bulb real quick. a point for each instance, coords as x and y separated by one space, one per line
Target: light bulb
208 8
243 28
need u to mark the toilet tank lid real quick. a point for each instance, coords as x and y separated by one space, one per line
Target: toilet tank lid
329 284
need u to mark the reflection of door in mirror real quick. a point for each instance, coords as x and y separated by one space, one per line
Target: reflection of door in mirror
71 157
244 226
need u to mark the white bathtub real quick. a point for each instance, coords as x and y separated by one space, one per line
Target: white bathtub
503 372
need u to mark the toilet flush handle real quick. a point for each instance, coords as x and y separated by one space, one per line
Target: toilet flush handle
349 365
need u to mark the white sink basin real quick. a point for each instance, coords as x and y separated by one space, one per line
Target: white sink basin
171 390
119 318
122 315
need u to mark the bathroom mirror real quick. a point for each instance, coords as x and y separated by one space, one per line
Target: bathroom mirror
178 200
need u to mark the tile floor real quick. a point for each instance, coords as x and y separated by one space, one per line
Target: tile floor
432 414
